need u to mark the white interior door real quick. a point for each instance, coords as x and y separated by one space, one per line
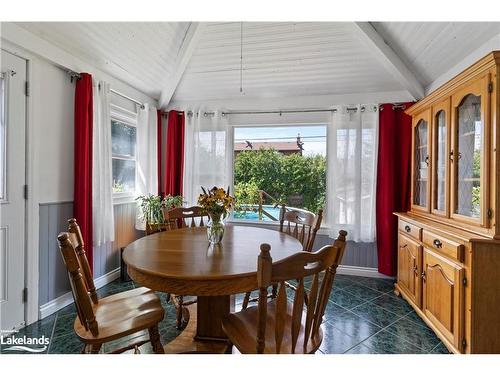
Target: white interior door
12 180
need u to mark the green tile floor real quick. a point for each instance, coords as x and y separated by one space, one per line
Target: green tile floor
363 316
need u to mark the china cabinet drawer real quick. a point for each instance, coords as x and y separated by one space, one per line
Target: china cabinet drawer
410 229
443 245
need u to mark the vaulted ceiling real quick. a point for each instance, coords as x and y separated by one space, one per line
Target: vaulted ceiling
203 61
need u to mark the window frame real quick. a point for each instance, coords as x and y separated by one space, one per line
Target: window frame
128 118
230 133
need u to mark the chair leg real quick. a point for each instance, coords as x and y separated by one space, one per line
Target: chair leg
154 336
179 307
244 305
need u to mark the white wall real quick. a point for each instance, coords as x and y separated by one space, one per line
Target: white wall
50 132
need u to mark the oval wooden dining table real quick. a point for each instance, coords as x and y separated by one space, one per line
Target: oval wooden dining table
182 262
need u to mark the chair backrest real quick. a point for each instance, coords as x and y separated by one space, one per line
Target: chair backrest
296 267
182 217
78 284
301 224
77 238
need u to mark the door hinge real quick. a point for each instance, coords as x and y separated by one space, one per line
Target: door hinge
27 88
490 87
25 192
25 295
464 281
464 343
489 213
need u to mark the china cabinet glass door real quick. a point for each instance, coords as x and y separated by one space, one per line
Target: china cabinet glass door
468 157
440 158
421 163
469 182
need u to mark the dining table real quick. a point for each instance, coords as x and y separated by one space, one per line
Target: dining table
183 262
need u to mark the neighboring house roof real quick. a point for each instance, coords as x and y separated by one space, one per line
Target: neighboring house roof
278 146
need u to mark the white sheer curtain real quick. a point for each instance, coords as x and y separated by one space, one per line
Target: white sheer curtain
352 165
102 174
147 155
207 153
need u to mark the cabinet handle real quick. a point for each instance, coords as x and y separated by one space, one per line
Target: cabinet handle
415 270
451 156
407 228
438 243
423 275
427 160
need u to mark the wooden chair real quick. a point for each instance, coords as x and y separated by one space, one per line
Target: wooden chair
112 317
178 218
301 224
183 217
279 326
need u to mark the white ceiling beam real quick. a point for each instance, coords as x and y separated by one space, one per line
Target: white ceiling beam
389 59
191 39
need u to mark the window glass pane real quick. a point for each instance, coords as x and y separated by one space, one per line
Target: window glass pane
123 139
123 176
285 164
470 141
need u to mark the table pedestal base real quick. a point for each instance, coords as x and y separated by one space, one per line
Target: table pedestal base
186 342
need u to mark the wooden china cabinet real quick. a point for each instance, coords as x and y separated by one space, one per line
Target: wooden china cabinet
449 241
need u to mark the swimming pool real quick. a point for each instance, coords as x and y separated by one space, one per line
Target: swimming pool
254 216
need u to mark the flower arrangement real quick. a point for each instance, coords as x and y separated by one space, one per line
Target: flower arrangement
216 203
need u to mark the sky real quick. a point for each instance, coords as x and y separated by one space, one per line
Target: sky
312 146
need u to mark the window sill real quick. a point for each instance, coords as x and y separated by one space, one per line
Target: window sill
323 230
123 199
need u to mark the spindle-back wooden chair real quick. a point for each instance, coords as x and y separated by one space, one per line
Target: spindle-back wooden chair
301 224
110 318
178 218
279 326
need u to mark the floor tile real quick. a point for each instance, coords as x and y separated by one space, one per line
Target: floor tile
393 304
362 292
332 310
440 349
418 335
64 325
354 326
415 318
386 343
376 314
345 299
336 341
379 284
362 349
67 344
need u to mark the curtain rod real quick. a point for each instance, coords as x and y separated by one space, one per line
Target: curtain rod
401 105
74 75
280 112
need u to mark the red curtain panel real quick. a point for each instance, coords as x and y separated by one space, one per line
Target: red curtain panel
159 118
83 161
174 159
393 181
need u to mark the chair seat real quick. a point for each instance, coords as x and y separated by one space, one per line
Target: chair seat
241 329
122 314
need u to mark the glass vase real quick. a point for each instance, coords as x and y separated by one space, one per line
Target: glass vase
215 229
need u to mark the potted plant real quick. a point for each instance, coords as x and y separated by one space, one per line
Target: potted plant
151 208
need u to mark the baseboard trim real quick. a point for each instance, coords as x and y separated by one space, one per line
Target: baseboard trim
361 271
60 302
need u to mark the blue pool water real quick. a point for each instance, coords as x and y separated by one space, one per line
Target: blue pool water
254 216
